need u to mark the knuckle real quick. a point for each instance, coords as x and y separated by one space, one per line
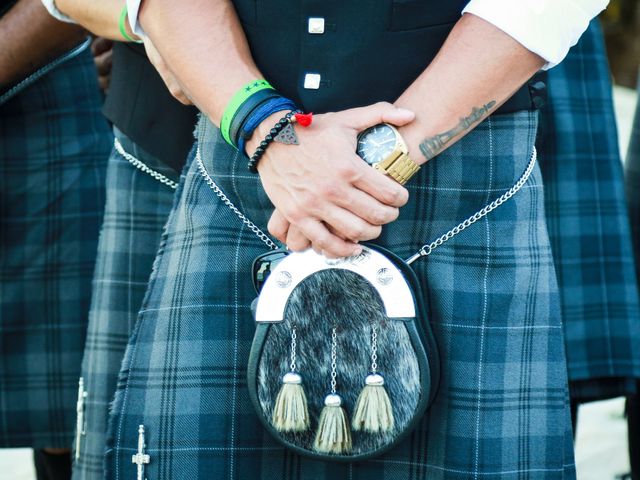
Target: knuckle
305 201
297 244
296 215
381 217
357 232
347 171
371 233
330 191
383 105
390 196
321 243
395 196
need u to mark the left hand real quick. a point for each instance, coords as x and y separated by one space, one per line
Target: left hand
102 49
169 79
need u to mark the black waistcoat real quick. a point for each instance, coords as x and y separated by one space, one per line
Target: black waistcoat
139 104
367 51
5 5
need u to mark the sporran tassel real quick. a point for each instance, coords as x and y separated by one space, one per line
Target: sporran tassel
333 435
373 412
290 412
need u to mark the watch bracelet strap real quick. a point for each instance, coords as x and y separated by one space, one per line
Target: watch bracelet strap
400 168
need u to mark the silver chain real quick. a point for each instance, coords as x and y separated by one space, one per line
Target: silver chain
428 248
334 360
293 349
38 74
374 349
252 226
140 165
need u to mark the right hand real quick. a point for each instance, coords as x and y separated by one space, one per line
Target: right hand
166 74
325 192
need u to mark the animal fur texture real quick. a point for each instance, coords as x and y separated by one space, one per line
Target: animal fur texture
346 300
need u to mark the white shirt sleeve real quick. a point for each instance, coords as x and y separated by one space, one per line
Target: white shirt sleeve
548 28
133 8
50 5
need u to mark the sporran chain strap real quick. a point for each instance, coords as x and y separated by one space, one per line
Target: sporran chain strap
143 167
293 349
334 360
425 250
428 248
252 226
374 349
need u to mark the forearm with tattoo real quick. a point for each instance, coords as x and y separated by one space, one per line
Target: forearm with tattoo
433 145
478 68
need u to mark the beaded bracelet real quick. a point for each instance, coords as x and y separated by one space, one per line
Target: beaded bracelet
277 128
264 111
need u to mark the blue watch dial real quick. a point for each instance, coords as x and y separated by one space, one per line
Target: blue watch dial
376 143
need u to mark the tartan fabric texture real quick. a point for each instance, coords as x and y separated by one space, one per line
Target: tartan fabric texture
136 210
588 225
54 144
502 408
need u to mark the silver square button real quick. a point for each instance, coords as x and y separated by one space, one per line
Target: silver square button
312 81
316 25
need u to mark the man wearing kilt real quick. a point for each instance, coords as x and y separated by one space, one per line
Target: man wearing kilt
153 133
502 411
53 147
588 227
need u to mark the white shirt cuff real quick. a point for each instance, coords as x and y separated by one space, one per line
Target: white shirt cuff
133 8
548 28
50 5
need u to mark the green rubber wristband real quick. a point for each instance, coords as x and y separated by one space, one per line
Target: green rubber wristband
236 101
123 28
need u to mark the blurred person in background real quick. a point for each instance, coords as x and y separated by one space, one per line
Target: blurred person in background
153 134
54 143
588 225
632 177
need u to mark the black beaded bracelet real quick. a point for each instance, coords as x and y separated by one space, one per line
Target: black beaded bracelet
273 133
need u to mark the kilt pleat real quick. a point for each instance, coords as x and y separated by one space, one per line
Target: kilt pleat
137 207
588 225
502 408
54 143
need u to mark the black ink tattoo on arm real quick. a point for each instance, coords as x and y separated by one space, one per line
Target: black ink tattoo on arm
432 146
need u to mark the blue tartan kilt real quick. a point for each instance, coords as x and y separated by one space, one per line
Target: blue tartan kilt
136 210
54 144
588 225
502 407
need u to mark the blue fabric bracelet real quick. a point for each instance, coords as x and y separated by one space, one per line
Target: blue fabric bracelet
259 114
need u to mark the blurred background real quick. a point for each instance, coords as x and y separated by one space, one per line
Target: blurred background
621 24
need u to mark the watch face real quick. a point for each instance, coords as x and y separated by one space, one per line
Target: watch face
376 143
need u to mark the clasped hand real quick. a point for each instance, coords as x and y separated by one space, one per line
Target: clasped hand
326 196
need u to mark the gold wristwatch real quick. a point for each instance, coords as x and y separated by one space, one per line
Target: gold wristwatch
382 147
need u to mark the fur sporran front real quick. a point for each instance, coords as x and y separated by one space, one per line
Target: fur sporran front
365 376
